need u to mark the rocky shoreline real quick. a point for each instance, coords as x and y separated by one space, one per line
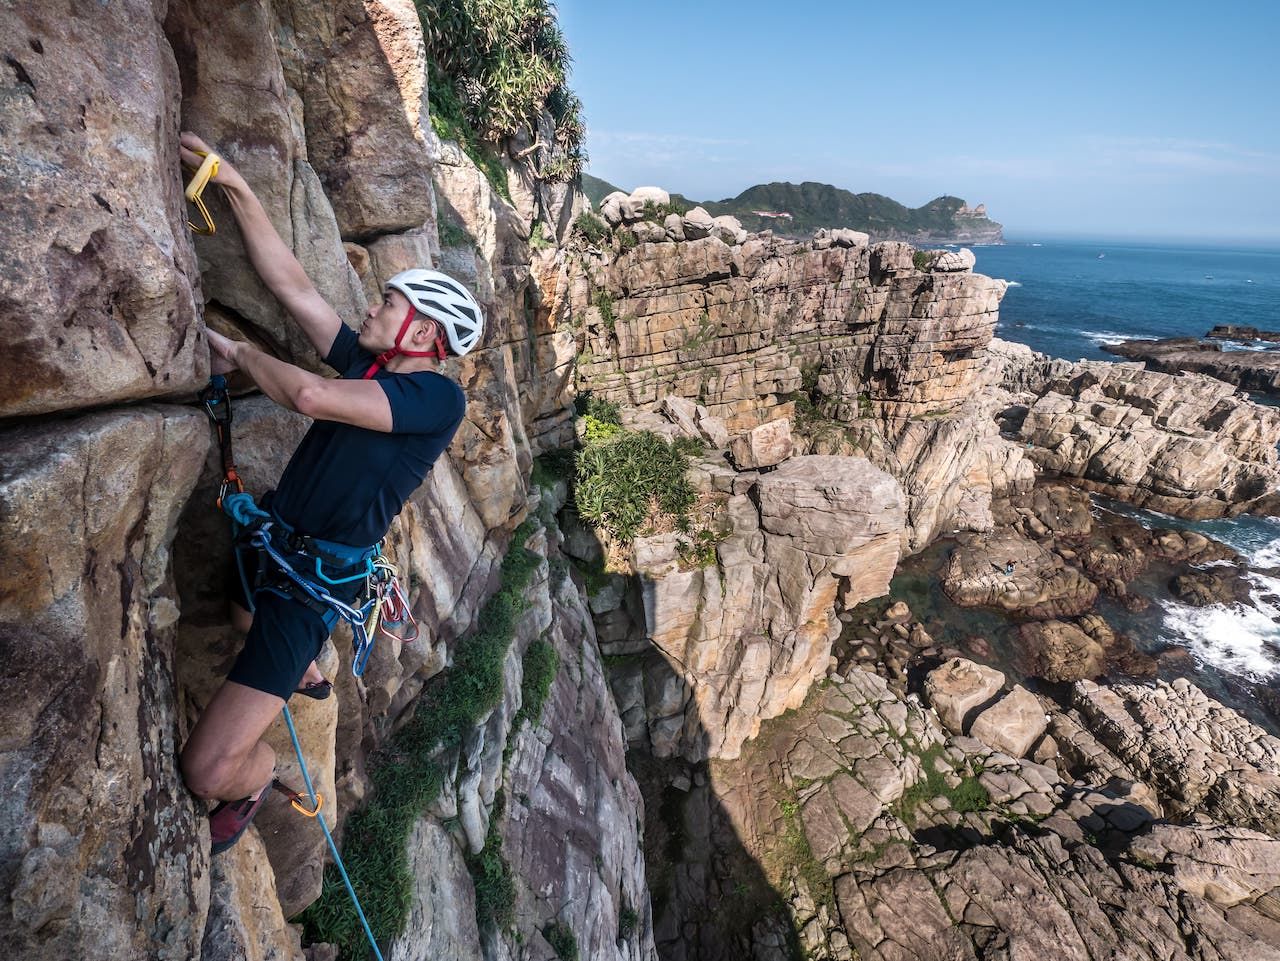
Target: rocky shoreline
1253 370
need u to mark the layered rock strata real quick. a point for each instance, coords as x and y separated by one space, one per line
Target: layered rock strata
1185 445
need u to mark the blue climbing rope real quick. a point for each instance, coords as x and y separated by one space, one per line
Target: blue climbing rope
333 847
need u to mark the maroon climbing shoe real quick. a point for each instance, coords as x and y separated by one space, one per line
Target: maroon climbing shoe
229 819
319 690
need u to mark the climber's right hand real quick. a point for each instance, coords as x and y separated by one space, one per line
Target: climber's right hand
189 143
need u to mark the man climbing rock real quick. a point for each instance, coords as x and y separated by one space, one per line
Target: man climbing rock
377 430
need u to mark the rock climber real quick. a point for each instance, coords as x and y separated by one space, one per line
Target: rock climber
377 430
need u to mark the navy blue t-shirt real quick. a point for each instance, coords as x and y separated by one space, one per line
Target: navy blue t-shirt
346 483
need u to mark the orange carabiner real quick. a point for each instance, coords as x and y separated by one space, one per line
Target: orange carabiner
297 805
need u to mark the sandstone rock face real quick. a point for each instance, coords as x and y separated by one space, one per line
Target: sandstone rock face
896 356
97 298
103 849
113 557
1251 369
360 69
262 135
1198 755
936 847
745 640
1183 445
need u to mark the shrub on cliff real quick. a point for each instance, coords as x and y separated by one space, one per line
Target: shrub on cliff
623 479
503 62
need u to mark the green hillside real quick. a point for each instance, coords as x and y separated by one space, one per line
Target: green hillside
814 205
596 189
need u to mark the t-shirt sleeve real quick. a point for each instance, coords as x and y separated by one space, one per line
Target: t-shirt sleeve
423 403
346 351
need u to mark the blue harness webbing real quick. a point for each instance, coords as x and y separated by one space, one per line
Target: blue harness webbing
254 526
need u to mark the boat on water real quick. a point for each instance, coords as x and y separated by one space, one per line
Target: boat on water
1100 256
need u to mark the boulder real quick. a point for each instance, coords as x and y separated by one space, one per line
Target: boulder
729 229
697 223
674 226
1041 583
647 232
633 208
765 446
611 207
1058 651
959 689
848 237
954 261
1013 724
1202 588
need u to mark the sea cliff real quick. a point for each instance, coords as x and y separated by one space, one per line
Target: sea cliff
612 741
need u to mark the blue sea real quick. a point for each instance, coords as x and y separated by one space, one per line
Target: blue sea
1068 299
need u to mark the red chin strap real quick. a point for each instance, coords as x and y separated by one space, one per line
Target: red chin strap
438 351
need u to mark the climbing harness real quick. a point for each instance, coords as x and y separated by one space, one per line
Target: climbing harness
309 570
384 601
194 191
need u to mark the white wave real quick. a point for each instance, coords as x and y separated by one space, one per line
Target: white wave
1013 283
1228 345
1236 639
1266 556
1105 336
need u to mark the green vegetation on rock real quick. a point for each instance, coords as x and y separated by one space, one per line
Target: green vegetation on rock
406 777
540 665
967 796
562 941
491 875
621 479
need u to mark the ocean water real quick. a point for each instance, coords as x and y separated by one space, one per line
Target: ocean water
1068 300
1072 298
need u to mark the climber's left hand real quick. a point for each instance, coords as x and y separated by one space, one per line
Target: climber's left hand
222 353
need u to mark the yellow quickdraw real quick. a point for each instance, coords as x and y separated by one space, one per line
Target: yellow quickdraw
207 171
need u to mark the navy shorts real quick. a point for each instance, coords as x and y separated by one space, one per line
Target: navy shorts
286 635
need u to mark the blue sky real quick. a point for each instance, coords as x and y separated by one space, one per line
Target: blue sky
1123 119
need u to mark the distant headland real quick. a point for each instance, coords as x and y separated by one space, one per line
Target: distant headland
797 210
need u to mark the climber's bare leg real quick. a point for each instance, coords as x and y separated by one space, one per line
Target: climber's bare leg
225 758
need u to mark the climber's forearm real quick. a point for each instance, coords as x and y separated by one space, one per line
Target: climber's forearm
270 256
284 383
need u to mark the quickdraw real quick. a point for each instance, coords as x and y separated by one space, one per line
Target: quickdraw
217 404
194 191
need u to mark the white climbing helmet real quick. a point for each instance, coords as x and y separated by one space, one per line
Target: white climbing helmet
443 299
